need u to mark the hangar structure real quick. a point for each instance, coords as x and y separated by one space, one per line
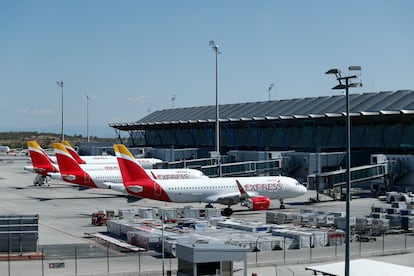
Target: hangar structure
381 123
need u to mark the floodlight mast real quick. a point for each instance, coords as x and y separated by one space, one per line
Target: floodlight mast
215 48
87 115
346 86
270 88
60 84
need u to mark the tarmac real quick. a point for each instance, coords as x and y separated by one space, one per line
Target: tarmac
66 249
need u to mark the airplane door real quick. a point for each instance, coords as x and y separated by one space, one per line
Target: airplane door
157 189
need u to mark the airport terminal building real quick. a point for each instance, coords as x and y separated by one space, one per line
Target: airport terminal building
307 136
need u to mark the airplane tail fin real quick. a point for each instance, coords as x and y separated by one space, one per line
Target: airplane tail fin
136 180
45 153
70 170
131 171
73 152
41 161
67 164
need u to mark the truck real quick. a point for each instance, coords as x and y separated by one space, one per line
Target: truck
100 218
390 197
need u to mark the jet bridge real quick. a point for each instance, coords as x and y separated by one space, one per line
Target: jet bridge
337 179
211 168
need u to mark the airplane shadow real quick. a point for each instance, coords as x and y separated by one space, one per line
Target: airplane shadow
68 198
103 196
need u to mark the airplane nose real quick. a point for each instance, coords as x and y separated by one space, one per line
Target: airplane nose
302 188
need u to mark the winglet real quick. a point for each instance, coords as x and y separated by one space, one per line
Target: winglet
73 152
242 191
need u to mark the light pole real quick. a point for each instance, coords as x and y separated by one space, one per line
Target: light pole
172 100
87 115
162 239
270 88
215 48
346 86
60 84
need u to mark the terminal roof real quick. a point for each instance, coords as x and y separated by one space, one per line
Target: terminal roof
366 104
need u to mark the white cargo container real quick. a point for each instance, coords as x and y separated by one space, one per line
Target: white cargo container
380 226
212 212
128 214
301 218
340 222
361 225
147 213
395 221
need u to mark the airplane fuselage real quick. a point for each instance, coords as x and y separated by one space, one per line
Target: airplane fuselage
218 189
99 177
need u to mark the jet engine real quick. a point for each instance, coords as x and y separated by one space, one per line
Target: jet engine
257 203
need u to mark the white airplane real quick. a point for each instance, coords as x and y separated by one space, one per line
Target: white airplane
252 192
4 149
146 163
44 165
42 159
80 174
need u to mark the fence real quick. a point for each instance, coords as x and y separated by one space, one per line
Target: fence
85 259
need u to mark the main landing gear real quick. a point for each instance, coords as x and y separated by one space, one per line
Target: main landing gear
227 212
41 180
282 206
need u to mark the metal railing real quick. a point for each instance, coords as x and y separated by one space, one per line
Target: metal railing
85 259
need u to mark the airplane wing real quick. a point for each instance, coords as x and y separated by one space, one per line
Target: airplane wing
225 199
232 198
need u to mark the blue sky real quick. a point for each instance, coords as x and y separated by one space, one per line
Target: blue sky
131 57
